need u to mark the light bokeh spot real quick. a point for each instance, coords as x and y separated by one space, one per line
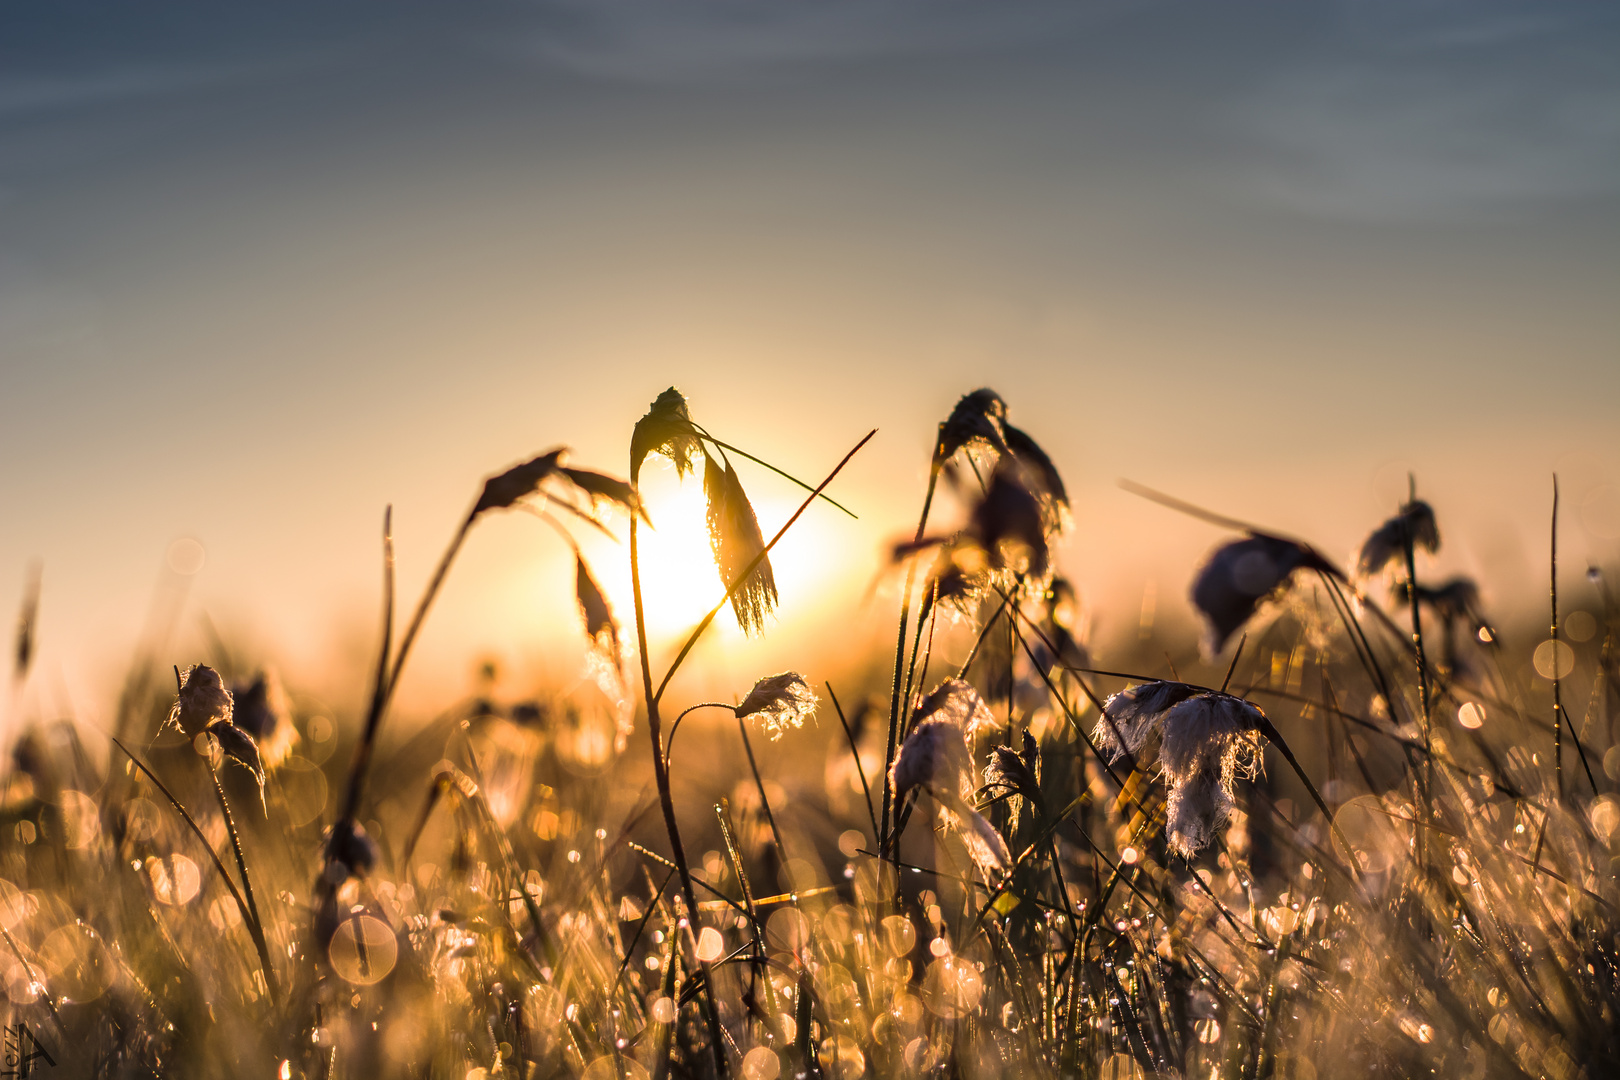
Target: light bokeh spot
1554 659
364 950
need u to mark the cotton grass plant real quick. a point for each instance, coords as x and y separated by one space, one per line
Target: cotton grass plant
1333 849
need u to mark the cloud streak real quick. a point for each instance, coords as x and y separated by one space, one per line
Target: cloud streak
1450 116
646 41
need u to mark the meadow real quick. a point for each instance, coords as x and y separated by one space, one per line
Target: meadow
1373 832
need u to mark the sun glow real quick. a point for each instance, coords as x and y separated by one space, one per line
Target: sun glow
679 582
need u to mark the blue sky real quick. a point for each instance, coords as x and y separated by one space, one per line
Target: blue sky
264 269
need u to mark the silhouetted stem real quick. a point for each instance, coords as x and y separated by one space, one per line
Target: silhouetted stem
241 866
896 689
1273 736
784 475
764 800
669 743
255 931
1558 704
666 802
382 685
747 571
855 752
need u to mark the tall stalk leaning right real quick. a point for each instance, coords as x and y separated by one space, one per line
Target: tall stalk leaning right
667 429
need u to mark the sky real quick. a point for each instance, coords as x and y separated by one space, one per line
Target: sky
267 269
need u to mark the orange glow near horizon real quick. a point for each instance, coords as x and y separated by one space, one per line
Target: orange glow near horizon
679 581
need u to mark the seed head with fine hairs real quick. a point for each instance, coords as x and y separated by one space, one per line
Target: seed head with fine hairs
1415 524
600 628
736 541
957 578
1207 742
203 709
935 758
1011 524
779 703
1015 774
202 700
1133 714
666 429
974 424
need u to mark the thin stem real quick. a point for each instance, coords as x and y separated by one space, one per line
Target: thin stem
774 469
764 800
666 802
1558 702
748 570
895 690
409 637
1417 637
669 743
255 931
1232 669
855 752
382 687
241 868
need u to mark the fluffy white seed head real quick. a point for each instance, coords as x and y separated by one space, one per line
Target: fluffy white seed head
1208 741
778 702
1133 714
934 757
957 702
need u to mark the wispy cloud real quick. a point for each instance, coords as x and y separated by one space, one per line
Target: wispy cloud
1446 113
656 41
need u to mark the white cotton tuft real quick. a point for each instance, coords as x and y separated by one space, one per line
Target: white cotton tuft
1131 715
955 701
778 703
1208 740
934 756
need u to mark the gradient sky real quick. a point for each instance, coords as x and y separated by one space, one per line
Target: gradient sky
265 269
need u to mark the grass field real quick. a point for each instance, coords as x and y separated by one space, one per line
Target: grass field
1377 839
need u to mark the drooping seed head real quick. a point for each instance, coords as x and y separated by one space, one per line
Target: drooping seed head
736 541
601 488
600 628
349 851
1010 524
261 710
1037 464
1207 741
1414 525
1015 772
1133 714
1241 574
201 701
958 702
238 746
778 703
974 424
505 489
933 757
666 429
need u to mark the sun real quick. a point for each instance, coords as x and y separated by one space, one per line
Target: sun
679 582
